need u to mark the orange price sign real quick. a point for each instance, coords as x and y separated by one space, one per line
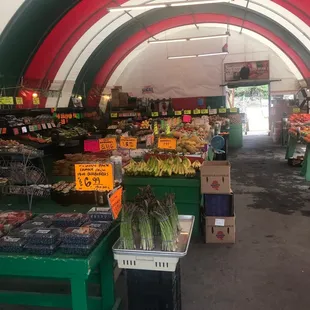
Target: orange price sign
94 177
128 143
115 201
107 144
167 143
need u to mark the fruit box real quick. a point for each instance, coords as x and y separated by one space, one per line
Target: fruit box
215 177
220 229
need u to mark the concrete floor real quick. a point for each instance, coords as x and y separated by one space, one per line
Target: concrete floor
269 266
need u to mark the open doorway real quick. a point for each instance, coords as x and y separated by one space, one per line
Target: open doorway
253 101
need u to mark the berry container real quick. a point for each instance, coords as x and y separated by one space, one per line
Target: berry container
43 236
102 225
20 232
100 214
45 217
39 249
77 249
11 244
80 235
36 224
68 219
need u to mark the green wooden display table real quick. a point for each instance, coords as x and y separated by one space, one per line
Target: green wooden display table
291 146
58 267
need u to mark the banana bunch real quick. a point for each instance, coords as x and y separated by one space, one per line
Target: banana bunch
157 167
196 164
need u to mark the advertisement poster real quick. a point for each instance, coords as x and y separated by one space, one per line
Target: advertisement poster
147 90
248 70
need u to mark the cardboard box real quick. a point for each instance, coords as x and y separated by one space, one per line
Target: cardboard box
215 177
220 229
123 99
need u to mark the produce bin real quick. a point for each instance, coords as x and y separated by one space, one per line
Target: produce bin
235 136
187 193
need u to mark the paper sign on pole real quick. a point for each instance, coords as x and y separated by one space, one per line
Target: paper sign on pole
167 143
128 143
92 177
115 201
107 144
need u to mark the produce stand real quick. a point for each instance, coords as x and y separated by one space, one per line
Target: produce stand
78 270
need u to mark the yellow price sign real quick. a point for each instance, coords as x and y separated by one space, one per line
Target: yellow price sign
233 110
6 100
177 112
187 112
196 111
107 144
19 100
36 101
167 143
128 143
155 114
113 115
296 110
115 201
212 111
94 177
204 111
222 110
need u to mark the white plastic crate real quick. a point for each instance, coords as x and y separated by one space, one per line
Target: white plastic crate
157 263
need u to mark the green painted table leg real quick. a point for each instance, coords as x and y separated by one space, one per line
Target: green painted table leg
210 154
291 147
107 282
79 294
305 170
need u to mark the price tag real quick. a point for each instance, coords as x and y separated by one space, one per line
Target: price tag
43 126
31 128
91 177
177 112
19 100
128 143
204 111
15 131
296 110
107 144
167 143
4 130
53 125
49 125
233 110
196 111
115 201
113 115
36 101
222 110
212 111
187 112
91 146
220 222
155 114
39 127
63 121
6 100
164 113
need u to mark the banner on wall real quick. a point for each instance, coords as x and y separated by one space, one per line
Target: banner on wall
248 70
148 90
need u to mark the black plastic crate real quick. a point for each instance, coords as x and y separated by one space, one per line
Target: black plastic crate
218 204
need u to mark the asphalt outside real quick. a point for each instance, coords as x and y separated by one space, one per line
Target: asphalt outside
268 268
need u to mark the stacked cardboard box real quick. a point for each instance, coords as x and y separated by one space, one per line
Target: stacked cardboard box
119 98
218 202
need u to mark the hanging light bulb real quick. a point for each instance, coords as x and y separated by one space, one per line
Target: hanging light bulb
80 97
35 95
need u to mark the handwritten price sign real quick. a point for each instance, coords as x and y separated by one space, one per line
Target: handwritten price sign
128 143
94 177
115 201
167 143
107 144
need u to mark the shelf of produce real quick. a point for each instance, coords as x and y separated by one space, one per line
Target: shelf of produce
78 270
187 193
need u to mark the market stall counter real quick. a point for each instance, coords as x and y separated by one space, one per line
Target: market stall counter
78 270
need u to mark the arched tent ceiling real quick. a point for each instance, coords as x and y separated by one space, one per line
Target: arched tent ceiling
47 38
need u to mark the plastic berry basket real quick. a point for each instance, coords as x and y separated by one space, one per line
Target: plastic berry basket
77 249
43 236
20 232
67 219
102 225
39 249
36 224
100 214
11 244
45 217
80 235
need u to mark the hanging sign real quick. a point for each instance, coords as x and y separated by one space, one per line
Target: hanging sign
155 114
36 101
188 112
233 110
113 115
115 201
296 110
91 146
204 111
6 100
107 144
212 111
167 143
196 111
92 177
19 100
177 112
128 143
222 110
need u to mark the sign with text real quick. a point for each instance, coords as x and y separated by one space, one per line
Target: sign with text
115 201
94 177
204 111
91 146
222 110
107 144
247 70
6 100
128 143
147 90
36 101
177 112
19 100
167 143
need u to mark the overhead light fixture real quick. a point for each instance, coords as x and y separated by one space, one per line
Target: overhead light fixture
189 39
197 55
163 5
